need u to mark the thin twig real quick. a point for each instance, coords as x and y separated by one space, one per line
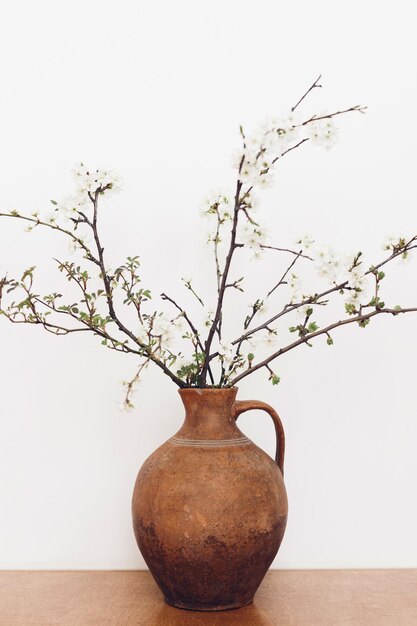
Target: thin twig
283 277
315 118
297 254
191 325
313 86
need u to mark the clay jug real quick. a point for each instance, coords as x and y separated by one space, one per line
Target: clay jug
210 507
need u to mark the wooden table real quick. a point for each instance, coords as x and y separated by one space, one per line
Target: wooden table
286 598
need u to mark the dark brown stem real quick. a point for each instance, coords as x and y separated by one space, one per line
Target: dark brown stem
283 277
313 86
191 325
110 303
297 145
315 118
225 273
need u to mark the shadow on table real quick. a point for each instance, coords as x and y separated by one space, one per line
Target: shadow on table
170 616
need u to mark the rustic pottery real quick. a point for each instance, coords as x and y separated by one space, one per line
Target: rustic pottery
210 507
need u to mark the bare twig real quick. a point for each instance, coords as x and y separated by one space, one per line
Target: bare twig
315 118
297 254
283 277
313 86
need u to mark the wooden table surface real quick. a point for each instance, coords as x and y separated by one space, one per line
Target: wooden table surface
285 598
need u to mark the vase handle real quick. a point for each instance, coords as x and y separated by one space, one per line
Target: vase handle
241 406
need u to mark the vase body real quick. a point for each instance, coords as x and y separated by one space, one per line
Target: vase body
209 507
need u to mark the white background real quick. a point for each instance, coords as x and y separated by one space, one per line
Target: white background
157 90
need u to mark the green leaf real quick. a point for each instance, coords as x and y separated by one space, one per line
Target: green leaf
329 341
54 202
350 308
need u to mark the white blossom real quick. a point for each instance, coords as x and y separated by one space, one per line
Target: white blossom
81 236
294 286
305 242
179 324
288 130
226 352
250 202
322 133
163 329
182 361
302 311
328 264
253 237
49 216
269 339
90 180
217 203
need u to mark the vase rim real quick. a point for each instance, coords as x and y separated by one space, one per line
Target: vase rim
201 390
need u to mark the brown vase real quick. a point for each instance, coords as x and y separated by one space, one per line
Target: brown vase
210 507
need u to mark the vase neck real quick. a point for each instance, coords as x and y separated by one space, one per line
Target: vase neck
209 414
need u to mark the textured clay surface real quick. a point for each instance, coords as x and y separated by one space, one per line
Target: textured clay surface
209 508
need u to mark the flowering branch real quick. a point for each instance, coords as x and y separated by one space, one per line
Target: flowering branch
151 336
360 319
317 298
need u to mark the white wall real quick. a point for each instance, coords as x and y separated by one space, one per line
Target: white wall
157 90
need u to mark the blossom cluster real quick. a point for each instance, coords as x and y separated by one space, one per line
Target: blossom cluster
88 182
262 150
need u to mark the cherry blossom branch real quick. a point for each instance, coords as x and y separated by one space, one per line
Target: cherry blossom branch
110 301
225 274
130 385
37 222
328 116
316 298
323 331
